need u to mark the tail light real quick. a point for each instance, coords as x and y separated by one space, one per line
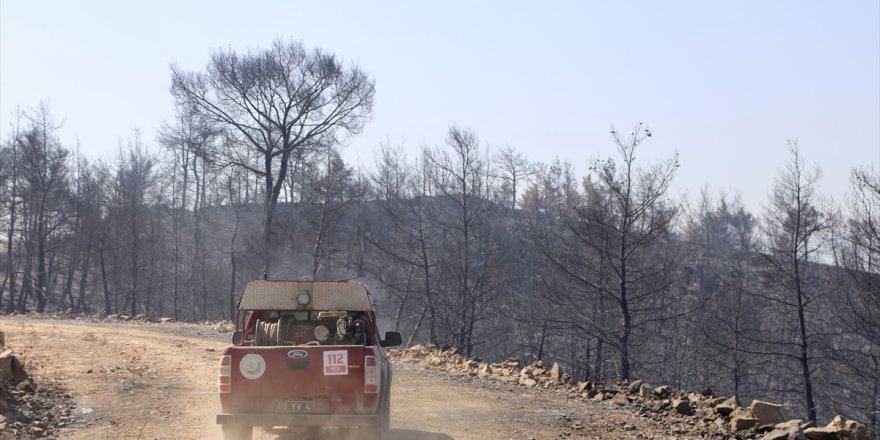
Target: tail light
371 375
224 378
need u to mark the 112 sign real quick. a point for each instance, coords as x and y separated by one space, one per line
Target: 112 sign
335 363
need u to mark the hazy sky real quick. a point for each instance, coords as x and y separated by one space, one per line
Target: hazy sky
723 83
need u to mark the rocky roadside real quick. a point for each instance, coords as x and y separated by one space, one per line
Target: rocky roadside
676 412
29 409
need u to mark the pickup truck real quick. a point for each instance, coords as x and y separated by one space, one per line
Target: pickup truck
306 357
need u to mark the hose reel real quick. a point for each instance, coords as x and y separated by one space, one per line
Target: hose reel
266 333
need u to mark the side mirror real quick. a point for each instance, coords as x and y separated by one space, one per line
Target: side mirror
237 337
392 339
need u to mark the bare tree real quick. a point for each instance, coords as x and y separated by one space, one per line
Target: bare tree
863 258
87 205
10 188
133 188
331 193
276 103
461 176
512 168
404 238
44 172
795 226
190 138
234 202
724 237
857 350
549 198
625 214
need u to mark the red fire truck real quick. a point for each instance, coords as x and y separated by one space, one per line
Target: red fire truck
306 357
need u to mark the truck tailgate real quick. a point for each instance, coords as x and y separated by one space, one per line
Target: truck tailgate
298 379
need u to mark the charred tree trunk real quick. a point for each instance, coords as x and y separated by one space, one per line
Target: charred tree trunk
102 262
67 292
81 306
41 264
803 345
10 232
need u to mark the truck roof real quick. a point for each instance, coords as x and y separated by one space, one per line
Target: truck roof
322 295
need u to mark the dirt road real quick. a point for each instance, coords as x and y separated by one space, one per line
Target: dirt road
158 381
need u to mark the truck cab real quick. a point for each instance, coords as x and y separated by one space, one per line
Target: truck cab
306 356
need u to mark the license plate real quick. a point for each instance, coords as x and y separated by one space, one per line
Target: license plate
288 406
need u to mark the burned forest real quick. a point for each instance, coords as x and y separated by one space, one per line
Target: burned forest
598 266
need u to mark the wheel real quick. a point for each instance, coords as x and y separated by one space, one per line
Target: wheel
237 432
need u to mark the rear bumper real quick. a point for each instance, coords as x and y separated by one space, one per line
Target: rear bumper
339 420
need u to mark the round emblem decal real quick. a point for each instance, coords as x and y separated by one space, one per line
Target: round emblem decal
252 366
